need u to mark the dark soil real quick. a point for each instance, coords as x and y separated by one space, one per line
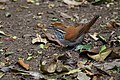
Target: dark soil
22 24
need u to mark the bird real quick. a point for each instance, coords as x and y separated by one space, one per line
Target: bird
73 35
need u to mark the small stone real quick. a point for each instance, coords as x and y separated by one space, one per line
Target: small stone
8 14
39 14
37 3
19 50
1 26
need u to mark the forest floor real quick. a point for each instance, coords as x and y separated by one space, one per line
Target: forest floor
20 21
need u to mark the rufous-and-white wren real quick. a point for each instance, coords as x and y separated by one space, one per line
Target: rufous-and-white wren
74 34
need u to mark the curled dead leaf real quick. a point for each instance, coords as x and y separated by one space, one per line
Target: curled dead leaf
112 24
101 56
23 64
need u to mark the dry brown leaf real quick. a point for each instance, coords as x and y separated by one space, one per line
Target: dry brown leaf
112 24
64 15
100 56
24 65
94 50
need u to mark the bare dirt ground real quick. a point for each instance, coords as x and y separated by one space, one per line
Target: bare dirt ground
22 23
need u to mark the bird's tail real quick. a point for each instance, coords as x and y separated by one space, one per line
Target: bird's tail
88 25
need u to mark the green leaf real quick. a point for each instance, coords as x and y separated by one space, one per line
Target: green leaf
117 69
29 58
54 19
118 37
103 48
1 42
102 38
73 71
97 0
85 47
1 74
42 46
8 54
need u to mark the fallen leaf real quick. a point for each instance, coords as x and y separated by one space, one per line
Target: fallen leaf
42 46
64 15
6 68
2 64
89 72
29 58
1 74
36 2
8 54
83 47
73 2
94 50
80 64
48 66
82 76
117 69
24 65
73 71
39 39
14 0
8 39
94 36
102 38
118 37
51 68
108 65
31 1
103 48
112 24
35 75
50 6
2 33
101 56
54 19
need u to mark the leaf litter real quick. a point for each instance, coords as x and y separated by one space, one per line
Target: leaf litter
35 75
58 66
